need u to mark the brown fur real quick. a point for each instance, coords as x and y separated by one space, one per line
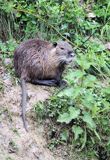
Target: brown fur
40 60
36 59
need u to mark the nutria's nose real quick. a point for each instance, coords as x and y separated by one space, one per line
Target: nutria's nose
72 54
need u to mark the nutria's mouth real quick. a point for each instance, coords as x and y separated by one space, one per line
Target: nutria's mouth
69 61
66 62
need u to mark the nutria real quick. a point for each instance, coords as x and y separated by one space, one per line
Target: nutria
41 62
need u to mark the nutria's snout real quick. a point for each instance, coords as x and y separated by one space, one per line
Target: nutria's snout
70 58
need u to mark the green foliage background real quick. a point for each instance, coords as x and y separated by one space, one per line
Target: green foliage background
83 108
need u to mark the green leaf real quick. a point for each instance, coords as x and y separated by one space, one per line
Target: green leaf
88 100
72 92
18 15
74 74
64 135
8 7
88 119
67 92
83 62
74 113
106 90
90 81
65 117
95 110
3 47
77 131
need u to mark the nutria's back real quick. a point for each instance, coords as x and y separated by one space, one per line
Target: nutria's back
40 59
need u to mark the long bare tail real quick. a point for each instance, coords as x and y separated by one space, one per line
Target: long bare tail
24 102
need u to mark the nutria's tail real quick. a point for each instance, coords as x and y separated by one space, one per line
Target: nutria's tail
23 102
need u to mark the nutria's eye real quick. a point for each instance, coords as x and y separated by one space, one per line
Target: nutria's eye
62 48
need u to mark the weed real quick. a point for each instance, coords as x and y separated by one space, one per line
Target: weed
12 147
1 85
9 158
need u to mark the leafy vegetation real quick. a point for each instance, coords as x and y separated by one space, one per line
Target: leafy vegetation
81 112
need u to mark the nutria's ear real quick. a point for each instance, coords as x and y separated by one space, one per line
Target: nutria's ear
55 44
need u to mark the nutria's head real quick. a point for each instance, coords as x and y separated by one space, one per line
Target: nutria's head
64 51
